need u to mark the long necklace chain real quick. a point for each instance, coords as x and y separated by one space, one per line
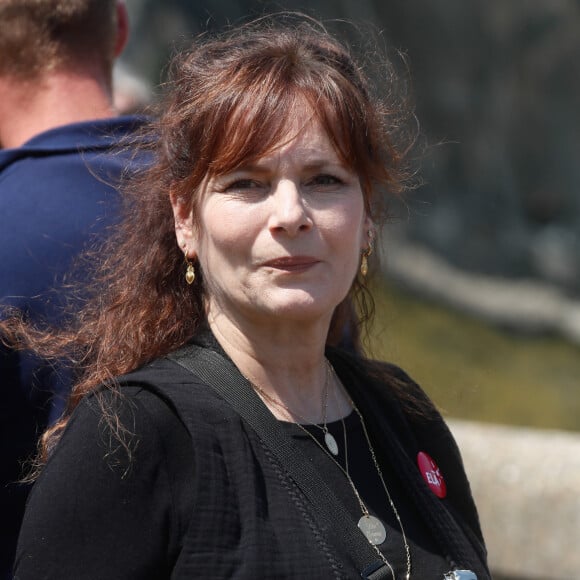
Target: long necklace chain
333 448
391 502
362 505
380 474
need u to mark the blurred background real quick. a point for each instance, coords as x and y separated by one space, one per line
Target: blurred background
478 296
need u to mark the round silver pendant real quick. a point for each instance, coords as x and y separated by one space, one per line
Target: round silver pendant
331 443
373 529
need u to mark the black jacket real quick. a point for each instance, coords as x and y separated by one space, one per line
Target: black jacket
248 520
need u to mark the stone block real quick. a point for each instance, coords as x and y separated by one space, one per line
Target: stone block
526 483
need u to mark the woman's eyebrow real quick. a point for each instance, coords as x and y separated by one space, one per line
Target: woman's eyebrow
263 166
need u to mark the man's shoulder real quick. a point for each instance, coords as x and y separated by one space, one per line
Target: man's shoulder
95 132
119 135
92 155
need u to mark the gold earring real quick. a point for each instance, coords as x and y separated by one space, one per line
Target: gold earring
364 265
190 270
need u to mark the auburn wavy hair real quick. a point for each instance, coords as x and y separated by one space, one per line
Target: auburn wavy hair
226 103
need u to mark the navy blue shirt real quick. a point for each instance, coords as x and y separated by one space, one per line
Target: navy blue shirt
58 194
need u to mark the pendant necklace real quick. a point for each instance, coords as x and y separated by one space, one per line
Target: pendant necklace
371 526
329 439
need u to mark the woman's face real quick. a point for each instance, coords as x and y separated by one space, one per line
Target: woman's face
280 237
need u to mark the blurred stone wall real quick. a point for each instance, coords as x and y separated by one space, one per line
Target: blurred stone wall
525 483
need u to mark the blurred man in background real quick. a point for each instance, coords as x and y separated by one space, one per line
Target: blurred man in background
59 163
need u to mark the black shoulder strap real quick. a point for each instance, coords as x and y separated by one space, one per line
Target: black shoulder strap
220 374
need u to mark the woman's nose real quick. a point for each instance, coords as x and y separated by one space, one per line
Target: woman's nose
289 211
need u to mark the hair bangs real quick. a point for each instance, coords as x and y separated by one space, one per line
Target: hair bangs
255 126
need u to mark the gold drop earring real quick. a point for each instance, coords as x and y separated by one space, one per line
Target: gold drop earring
364 265
190 270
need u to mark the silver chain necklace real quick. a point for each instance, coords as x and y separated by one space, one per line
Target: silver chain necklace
372 522
329 439
372 528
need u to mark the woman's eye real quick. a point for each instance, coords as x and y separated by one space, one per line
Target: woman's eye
325 179
243 184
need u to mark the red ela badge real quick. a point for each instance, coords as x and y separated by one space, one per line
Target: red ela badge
431 474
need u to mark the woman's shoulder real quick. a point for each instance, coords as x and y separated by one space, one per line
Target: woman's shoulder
388 394
123 463
123 428
178 389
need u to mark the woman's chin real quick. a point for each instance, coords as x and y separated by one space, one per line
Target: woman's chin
300 306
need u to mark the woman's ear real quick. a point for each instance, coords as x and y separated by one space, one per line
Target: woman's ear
184 228
368 233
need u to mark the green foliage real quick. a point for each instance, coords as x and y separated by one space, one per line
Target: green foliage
475 371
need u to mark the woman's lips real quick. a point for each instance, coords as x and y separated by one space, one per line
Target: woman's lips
292 263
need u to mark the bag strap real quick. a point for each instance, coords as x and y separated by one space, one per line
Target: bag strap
222 375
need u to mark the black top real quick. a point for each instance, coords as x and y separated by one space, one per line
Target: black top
96 513
424 550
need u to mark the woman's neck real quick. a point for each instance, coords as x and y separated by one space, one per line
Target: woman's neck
287 364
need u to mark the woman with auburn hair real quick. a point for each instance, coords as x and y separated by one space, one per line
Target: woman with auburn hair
216 431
